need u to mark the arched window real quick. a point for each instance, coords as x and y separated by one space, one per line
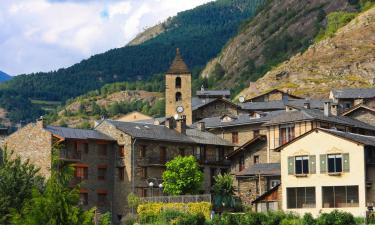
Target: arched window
178 82
178 96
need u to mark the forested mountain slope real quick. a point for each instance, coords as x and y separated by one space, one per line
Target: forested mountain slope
4 76
344 59
282 29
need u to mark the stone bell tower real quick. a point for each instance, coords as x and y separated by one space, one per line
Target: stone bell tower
178 90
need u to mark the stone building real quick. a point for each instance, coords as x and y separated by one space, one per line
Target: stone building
134 116
90 152
347 98
148 147
204 108
362 113
178 90
273 95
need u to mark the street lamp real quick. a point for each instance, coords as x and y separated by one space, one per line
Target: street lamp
151 185
161 189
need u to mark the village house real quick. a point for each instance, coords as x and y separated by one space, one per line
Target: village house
362 113
134 116
281 105
326 169
347 98
273 95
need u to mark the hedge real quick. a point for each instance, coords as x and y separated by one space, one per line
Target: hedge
194 208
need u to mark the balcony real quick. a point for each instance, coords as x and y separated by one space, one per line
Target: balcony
70 155
212 160
154 161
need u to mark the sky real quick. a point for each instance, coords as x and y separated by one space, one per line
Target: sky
45 35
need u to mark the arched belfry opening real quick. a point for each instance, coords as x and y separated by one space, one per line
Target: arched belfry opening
178 82
178 96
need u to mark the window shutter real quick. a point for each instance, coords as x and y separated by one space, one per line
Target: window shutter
312 164
291 165
346 162
323 163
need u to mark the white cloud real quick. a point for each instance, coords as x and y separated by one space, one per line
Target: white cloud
41 35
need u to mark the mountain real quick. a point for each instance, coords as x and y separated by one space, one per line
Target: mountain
281 29
4 76
344 59
200 33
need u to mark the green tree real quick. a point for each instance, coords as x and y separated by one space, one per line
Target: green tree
17 180
223 191
57 204
182 176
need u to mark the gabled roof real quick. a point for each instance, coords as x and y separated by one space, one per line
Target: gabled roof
239 120
313 114
279 105
197 104
264 169
265 194
354 93
178 65
71 133
258 138
357 107
209 93
162 133
271 91
357 138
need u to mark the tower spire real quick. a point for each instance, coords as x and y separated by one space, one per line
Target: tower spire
178 65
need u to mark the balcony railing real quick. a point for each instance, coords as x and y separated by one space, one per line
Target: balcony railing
155 160
70 155
178 199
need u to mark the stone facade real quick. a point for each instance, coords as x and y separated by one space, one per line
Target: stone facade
215 108
172 100
364 115
274 95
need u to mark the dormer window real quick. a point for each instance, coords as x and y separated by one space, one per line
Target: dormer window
178 97
227 118
178 82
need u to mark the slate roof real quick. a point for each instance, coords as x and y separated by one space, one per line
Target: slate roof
354 93
314 114
162 133
242 119
265 169
178 65
72 133
209 93
357 107
363 139
271 91
278 105
262 138
196 103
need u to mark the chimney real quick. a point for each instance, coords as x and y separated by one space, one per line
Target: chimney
170 122
40 122
327 108
335 109
307 105
201 126
181 125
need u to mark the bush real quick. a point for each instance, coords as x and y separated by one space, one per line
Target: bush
189 219
152 210
336 218
308 219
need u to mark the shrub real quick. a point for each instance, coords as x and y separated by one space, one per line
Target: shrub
336 218
189 219
308 219
168 215
151 210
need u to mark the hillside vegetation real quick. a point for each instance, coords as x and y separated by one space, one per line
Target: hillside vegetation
282 29
345 58
200 33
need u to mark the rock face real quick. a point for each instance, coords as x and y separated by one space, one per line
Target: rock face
345 60
148 34
279 31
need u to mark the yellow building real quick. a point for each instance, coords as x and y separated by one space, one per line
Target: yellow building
134 116
323 170
178 90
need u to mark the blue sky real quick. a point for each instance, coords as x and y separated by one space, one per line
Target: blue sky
45 35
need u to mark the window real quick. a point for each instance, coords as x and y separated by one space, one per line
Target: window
144 172
178 82
163 154
334 163
142 152
274 183
212 175
142 192
220 154
241 163
86 147
102 172
121 151
302 165
235 137
102 197
286 134
102 149
178 97
256 159
182 152
301 197
81 172
83 198
340 196
200 153
121 173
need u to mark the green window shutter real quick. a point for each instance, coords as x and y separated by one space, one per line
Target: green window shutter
312 164
346 162
291 165
323 163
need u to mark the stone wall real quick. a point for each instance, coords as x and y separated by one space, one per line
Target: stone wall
32 142
245 133
363 115
216 108
258 149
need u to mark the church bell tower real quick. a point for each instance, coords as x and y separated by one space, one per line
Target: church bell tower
178 90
